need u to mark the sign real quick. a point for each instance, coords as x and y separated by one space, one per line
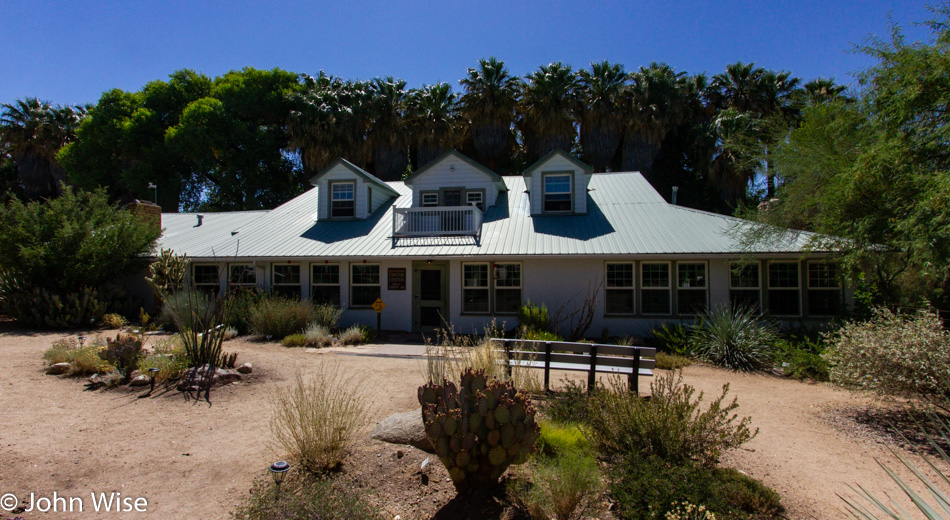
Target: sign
397 278
378 305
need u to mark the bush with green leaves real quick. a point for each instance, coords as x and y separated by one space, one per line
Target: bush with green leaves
304 498
539 335
568 405
893 354
802 359
737 338
83 360
168 356
276 316
123 353
674 337
672 424
61 258
534 318
666 361
355 335
113 321
565 486
243 303
326 315
186 310
561 437
294 340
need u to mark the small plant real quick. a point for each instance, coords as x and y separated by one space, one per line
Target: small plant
666 361
317 419
123 353
564 487
539 335
304 499
561 438
534 318
277 317
478 428
318 336
243 302
294 340
186 310
738 339
802 359
326 315
230 333
169 359
168 273
113 321
352 336
570 404
229 359
84 360
687 511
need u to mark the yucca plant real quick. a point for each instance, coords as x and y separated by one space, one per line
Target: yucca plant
734 338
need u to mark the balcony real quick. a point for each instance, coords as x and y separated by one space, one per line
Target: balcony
437 221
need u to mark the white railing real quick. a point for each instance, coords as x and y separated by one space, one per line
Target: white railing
437 221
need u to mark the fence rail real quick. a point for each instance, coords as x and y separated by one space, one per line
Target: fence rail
437 221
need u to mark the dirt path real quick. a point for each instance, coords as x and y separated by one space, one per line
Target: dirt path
194 460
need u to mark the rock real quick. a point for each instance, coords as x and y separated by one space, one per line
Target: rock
192 381
140 380
400 454
58 368
246 368
403 428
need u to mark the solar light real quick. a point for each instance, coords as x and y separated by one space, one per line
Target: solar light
82 340
152 372
279 470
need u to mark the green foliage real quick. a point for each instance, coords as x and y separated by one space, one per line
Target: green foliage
294 340
167 273
674 337
356 335
892 354
84 359
651 487
534 318
561 438
734 338
802 359
123 353
540 335
277 317
478 427
671 424
242 304
569 405
327 315
113 321
186 310
666 361
563 487
304 499
39 307
169 358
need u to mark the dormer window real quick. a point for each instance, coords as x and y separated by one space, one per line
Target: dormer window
557 193
344 201
475 198
430 199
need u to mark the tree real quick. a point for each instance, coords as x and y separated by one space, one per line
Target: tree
598 113
549 102
652 106
434 121
388 137
488 106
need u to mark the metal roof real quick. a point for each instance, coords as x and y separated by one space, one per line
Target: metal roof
626 217
367 176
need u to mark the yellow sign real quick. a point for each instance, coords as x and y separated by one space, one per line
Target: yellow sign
378 305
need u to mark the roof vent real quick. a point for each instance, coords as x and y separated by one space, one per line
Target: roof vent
200 220
676 190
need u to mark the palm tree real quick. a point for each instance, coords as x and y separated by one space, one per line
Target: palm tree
600 92
736 160
548 105
821 90
388 138
35 131
488 106
434 121
652 105
738 87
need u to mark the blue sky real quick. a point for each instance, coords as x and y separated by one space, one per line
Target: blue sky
70 52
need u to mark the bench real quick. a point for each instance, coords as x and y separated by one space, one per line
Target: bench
587 357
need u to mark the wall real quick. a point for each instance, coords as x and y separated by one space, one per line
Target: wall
464 176
557 164
342 173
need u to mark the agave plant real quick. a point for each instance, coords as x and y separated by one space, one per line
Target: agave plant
735 338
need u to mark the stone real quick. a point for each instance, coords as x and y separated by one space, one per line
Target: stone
246 368
140 380
58 368
404 428
191 381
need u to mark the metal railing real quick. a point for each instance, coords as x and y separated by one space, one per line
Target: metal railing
437 221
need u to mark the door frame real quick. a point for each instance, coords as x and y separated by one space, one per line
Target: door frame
417 267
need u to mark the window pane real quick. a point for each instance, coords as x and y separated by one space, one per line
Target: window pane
619 301
430 199
822 275
205 274
744 275
824 302
343 191
475 275
783 274
656 275
692 275
287 291
508 275
326 274
507 301
783 303
619 275
655 302
364 295
366 274
286 274
242 275
745 298
475 300
557 184
690 301
325 294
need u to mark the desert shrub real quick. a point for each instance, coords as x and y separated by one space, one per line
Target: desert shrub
326 315
539 335
734 338
167 274
230 333
243 303
892 354
651 487
674 337
568 405
187 310
802 359
61 257
353 336
318 336
671 424
277 317
294 340
169 358
561 438
563 487
534 318
123 353
666 361
113 321
84 359
304 499
60 351
687 511
316 419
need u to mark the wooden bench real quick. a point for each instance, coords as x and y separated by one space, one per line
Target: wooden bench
588 357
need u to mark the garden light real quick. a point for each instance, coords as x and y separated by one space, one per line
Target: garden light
152 372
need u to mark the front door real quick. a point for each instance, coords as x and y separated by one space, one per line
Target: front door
430 309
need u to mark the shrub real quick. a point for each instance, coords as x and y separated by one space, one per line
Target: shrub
230 333
561 438
318 336
294 340
568 405
539 335
650 488
277 317
802 359
565 487
327 316
674 338
167 273
123 353
317 419
41 307
671 424
84 359
734 338
534 318
304 499
113 321
666 361
687 511
186 310
169 358
243 303
892 354
351 336
60 351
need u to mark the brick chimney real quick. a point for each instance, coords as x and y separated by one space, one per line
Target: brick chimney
149 211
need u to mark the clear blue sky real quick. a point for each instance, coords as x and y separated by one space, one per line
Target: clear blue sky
70 52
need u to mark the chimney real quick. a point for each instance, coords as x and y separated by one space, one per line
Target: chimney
676 190
200 219
149 211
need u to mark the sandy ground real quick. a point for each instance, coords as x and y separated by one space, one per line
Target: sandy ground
194 460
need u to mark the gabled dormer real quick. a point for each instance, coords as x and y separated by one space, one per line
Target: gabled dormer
557 185
452 179
348 192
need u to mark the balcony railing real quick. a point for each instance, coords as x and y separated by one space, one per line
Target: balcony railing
437 221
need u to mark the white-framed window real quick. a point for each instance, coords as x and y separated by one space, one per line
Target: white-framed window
242 276
557 193
619 288
343 199
824 288
364 284
745 285
475 198
691 284
325 283
285 280
784 289
475 288
655 288
507 278
206 278
430 199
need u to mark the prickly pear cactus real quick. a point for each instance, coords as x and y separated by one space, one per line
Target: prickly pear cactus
478 428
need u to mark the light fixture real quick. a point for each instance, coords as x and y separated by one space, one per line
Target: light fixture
152 372
152 186
279 470
82 340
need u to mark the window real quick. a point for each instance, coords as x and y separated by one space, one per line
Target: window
655 288
690 287
325 284
507 288
285 280
430 199
242 276
344 201
474 198
824 289
784 289
475 288
744 285
205 277
557 193
619 293
364 284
